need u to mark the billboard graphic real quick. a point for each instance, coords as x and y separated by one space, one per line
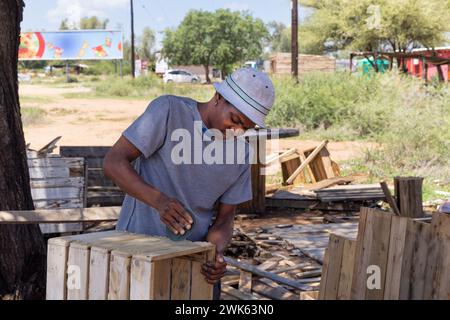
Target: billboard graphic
71 45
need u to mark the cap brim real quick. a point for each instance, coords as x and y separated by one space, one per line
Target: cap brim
237 102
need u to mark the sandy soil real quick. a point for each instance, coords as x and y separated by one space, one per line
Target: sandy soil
99 122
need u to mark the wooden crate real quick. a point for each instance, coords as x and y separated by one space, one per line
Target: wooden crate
118 265
58 183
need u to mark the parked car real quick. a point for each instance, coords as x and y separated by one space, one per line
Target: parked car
179 76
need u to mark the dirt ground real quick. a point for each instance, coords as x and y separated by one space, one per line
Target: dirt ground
99 122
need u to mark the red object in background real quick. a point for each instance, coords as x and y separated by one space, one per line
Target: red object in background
415 66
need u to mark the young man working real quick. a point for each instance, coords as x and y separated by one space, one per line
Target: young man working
164 193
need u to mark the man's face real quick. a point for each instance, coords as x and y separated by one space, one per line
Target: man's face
227 117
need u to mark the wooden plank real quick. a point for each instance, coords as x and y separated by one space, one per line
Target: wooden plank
236 293
323 280
308 168
408 192
412 284
372 250
84 151
181 277
309 295
288 167
58 183
326 163
98 274
306 162
280 156
269 289
346 272
266 274
389 198
78 272
141 278
396 256
61 215
161 279
58 204
437 281
49 172
119 276
245 281
57 256
57 193
335 252
56 162
329 182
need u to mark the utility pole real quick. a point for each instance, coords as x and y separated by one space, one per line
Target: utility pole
132 38
294 39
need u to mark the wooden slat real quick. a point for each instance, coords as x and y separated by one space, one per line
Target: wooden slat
161 279
412 284
57 183
289 166
371 249
237 294
141 277
346 273
56 162
79 258
58 204
57 256
85 152
61 215
331 276
181 278
272 290
98 274
389 198
396 256
57 193
119 276
245 281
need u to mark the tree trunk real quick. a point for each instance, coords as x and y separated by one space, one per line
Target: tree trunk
22 247
208 80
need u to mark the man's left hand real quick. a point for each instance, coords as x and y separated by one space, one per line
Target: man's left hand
213 272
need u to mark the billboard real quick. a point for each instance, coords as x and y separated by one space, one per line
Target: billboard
71 45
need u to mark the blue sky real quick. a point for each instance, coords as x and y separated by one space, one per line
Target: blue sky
46 15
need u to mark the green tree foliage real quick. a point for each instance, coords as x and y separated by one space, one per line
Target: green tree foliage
374 25
146 44
279 37
222 38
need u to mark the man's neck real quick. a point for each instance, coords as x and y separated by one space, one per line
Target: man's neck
203 109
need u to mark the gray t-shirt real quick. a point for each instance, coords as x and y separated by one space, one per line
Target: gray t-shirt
197 185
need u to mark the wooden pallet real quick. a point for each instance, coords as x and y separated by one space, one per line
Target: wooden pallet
118 265
413 258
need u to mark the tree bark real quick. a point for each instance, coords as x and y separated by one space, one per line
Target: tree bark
22 247
208 80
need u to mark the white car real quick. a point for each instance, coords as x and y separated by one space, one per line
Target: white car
179 76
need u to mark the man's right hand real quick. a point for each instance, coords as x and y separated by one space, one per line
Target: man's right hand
172 214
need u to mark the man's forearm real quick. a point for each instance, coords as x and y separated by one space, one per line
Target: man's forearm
220 235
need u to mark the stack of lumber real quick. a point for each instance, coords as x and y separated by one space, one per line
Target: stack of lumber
393 257
351 192
281 63
118 265
58 183
100 190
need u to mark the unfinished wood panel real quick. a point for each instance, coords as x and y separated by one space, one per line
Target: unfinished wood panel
181 279
98 274
437 279
119 276
415 260
323 279
161 280
371 250
331 281
396 256
78 272
346 273
326 162
141 278
57 256
408 191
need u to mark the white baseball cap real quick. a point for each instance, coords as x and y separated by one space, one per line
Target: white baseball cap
250 91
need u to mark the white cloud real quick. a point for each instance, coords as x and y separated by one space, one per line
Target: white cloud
74 10
237 6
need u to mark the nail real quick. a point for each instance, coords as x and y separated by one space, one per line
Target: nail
188 227
182 232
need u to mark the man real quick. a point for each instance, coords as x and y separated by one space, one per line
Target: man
164 193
